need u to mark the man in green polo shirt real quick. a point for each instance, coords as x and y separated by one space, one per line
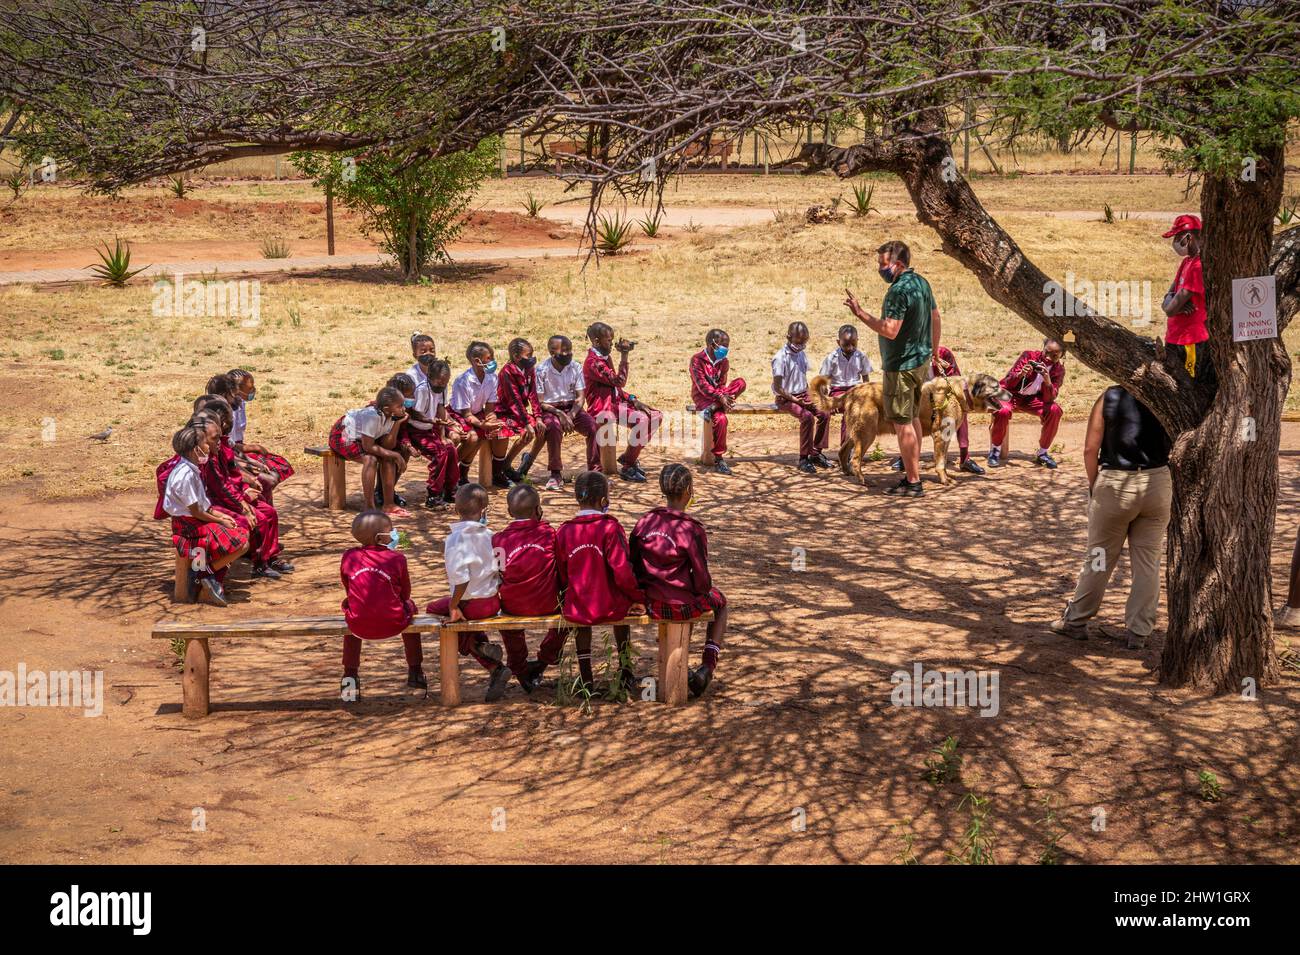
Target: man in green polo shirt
909 334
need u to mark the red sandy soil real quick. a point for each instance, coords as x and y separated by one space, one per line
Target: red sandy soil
799 719
301 224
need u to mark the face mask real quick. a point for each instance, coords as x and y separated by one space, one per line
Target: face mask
720 353
887 274
202 459
251 395
491 367
794 347
1180 244
408 402
560 361
483 519
393 538
527 363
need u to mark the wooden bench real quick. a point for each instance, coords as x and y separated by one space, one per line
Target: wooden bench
706 430
674 647
334 476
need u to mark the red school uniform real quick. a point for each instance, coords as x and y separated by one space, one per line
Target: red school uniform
670 555
607 400
225 485
595 570
378 602
517 401
529 587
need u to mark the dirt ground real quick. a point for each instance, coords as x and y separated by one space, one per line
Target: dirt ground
798 726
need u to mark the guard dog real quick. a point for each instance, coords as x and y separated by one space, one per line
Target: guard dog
944 406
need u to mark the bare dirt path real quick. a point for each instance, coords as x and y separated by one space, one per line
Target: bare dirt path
798 726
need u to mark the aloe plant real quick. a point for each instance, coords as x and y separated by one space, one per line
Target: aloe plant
533 205
274 247
650 224
178 186
862 193
613 233
115 264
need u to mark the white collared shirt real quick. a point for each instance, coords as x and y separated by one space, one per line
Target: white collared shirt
368 421
559 384
470 560
470 394
847 372
185 487
792 368
239 417
427 402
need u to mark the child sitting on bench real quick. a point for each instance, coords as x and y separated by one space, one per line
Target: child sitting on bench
211 541
670 554
426 432
472 576
596 573
271 470
711 393
608 401
560 387
369 435
525 549
378 604
518 407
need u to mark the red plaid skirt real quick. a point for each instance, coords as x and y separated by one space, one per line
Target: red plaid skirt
340 445
713 601
507 430
277 465
190 535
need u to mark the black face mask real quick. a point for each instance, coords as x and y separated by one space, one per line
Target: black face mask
527 363
560 361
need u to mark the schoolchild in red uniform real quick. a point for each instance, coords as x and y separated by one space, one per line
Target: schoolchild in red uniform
608 401
560 387
519 408
529 587
595 571
711 393
426 431
270 470
369 435
670 555
378 604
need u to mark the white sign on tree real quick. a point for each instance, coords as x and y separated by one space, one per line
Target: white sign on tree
1254 308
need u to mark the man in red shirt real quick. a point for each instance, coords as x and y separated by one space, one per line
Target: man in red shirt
711 393
1034 382
1184 303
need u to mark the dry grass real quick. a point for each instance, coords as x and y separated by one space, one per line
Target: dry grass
90 357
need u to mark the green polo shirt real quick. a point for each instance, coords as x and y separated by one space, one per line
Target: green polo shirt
909 298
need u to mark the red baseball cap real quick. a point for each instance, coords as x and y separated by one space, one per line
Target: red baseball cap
1184 223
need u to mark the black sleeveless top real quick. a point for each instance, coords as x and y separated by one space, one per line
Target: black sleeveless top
1133 437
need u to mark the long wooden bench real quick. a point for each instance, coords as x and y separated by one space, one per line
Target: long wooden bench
706 430
334 476
674 647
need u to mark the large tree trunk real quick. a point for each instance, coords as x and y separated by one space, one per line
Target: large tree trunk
1225 487
1218 578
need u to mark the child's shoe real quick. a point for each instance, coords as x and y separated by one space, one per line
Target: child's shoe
216 594
970 465
630 474
416 680
435 503
995 457
533 675
488 651
555 483
820 460
497 684
806 466
721 466
525 462
397 498
1045 460
698 680
266 571
281 565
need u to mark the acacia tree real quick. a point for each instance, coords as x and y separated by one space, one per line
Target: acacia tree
120 93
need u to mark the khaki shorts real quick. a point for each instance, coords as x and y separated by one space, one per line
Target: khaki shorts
903 393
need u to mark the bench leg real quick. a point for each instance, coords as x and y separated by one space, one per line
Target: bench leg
706 444
194 681
485 465
449 667
181 593
674 647
336 482
608 450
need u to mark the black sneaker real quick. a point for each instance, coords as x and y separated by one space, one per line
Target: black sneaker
698 680
806 466
1044 460
215 591
435 503
634 468
533 675
416 680
379 498
970 465
489 650
513 476
905 488
721 466
350 689
525 462
266 571
282 565
896 464
497 684
631 474
501 480
821 461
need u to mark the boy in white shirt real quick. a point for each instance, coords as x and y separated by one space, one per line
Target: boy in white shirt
790 386
472 405
211 540
369 435
560 386
426 431
847 367
473 576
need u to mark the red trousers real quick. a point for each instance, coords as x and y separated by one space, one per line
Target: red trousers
812 425
640 428
264 539
352 652
442 458
585 425
1049 414
732 389
480 608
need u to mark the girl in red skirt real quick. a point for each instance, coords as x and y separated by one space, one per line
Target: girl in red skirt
211 540
473 408
518 407
271 470
670 554
369 435
426 431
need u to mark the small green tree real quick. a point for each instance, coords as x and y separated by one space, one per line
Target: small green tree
415 205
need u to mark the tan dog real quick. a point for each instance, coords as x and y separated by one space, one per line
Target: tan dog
942 411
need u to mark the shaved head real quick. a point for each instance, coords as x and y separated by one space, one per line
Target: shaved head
368 525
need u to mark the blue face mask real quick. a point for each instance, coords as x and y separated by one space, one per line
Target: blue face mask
720 353
393 538
483 518
408 402
491 367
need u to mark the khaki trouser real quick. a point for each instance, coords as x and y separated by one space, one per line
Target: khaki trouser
1132 506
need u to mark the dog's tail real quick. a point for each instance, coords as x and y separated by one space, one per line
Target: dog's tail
819 393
